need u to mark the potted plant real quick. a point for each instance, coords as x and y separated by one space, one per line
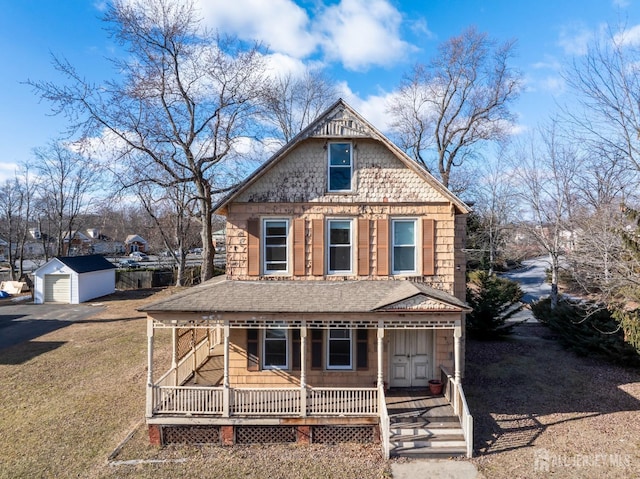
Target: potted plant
435 387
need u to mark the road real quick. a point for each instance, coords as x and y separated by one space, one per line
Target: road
532 278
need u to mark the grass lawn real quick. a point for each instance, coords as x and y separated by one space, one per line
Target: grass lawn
70 397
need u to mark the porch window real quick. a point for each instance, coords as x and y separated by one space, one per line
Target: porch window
276 349
276 250
339 349
340 246
404 246
340 166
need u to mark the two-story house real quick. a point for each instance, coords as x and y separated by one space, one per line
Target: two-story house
344 288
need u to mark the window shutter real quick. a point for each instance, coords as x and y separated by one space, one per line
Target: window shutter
317 247
253 361
428 247
382 252
253 247
362 349
298 247
363 247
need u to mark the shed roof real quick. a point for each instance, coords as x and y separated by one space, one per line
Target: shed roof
222 295
86 264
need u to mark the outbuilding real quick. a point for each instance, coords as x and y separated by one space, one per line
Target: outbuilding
74 279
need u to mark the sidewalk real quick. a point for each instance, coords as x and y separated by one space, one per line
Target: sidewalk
435 469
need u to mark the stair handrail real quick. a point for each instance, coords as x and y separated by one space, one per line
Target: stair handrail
453 391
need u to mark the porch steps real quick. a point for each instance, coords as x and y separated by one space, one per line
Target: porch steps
437 437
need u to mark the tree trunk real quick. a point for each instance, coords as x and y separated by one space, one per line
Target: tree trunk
208 251
555 267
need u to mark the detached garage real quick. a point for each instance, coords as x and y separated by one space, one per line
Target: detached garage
73 279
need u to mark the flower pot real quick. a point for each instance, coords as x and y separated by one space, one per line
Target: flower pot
435 387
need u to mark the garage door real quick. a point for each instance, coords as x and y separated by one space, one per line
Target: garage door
57 288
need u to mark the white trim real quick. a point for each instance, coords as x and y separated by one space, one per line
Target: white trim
352 240
415 246
263 242
351 346
329 166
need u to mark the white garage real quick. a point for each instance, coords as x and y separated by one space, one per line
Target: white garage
73 279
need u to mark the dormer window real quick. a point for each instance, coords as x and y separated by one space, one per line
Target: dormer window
340 166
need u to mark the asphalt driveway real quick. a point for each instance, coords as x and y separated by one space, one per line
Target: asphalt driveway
21 322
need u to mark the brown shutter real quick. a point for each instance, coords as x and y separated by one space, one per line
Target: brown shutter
382 252
298 247
317 247
253 247
363 247
253 361
428 247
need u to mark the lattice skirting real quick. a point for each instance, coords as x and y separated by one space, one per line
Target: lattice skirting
338 434
265 434
269 434
191 435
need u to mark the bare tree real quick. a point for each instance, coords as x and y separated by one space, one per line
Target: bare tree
293 101
16 197
66 180
443 110
545 168
606 84
494 207
182 102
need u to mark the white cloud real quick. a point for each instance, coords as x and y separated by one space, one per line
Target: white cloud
621 3
373 108
574 39
628 36
361 33
8 171
357 33
281 24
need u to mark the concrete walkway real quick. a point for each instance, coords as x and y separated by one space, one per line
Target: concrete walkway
434 469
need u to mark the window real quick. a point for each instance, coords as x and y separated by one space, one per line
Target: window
339 349
276 349
340 246
275 242
404 246
340 166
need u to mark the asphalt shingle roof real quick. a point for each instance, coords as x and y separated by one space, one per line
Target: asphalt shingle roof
221 295
86 264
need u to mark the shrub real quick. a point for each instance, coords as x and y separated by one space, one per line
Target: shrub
588 330
494 300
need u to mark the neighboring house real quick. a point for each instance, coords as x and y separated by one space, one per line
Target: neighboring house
76 243
4 250
345 277
73 279
136 243
101 244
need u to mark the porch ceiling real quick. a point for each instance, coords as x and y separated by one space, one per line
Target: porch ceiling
223 296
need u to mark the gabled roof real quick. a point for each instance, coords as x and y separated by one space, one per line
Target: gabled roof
221 295
341 121
135 239
85 264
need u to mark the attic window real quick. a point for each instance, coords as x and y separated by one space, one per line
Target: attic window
340 166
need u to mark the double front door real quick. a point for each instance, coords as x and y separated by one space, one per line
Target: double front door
411 352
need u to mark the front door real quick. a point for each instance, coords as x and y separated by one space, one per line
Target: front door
410 358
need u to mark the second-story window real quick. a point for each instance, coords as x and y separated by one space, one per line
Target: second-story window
404 246
275 243
340 246
340 166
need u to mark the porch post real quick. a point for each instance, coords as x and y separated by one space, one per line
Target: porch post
225 378
149 367
174 354
457 350
303 369
380 355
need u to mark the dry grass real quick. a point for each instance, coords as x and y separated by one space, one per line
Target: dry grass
68 398
536 405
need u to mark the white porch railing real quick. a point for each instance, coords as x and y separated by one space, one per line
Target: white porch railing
385 424
192 400
187 400
342 402
267 402
455 395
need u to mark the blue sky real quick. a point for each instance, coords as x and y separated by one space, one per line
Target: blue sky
365 45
